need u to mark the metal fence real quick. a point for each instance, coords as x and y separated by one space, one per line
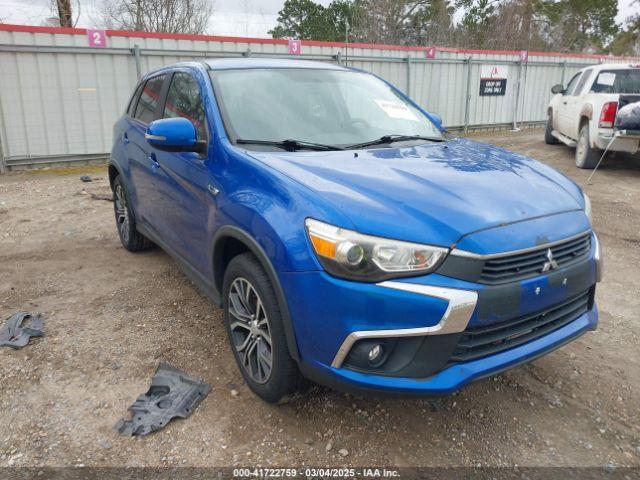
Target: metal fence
59 97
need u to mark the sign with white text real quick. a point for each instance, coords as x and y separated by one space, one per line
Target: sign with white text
294 47
493 80
97 38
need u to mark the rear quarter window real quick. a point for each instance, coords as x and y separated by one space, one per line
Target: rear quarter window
131 108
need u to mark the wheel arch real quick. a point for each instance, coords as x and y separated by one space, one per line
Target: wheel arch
114 171
230 241
586 111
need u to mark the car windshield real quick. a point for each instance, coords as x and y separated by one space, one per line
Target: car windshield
617 81
323 106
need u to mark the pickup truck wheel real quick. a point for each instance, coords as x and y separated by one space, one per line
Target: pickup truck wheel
586 157
256 331
131 239
548 137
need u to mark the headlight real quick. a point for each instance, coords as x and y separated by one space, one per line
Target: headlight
349 254
587 205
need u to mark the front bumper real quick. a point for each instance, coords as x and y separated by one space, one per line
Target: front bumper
455 377
330 315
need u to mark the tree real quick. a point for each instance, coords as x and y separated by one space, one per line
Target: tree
628 40
576 25
64 13
307 20
170 16
381 21
394 21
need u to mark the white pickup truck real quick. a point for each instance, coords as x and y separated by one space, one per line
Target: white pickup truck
583 114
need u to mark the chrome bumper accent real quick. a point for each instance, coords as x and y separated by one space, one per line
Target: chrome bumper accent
598 258
462 303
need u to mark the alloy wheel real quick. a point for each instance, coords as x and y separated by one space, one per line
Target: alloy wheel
250 331
122 214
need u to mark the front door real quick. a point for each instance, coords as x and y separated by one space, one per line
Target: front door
185 204
565 121
575 103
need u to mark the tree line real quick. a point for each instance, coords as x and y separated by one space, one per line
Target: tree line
582 26
585 26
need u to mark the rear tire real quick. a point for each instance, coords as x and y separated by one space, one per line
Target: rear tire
548 137
131 239
256 331
586 157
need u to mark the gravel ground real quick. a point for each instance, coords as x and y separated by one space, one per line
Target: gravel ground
112 316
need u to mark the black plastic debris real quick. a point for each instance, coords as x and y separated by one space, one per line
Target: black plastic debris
86 178
19 328
172 394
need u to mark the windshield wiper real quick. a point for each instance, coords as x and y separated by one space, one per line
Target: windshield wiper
385 139
290 145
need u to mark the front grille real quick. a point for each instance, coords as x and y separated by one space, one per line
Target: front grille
522 265
482 341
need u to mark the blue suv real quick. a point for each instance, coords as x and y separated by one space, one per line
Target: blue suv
350 240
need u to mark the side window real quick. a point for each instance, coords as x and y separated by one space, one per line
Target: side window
149 98
571 86
131 109
585 76
184 100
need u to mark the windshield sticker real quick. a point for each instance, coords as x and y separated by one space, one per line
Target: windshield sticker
396 110
606 78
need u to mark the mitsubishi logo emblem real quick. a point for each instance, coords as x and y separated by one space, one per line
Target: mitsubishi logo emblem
551 263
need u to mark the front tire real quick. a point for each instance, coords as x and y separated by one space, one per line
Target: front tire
548 137
256 331
131 239
586 157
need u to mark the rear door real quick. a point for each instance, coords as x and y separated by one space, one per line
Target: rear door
142 159
184 203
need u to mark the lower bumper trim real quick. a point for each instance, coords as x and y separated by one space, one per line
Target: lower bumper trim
461 304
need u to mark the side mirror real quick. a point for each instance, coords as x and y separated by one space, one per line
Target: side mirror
556 89
173 135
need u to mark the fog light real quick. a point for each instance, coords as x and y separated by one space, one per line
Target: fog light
375 354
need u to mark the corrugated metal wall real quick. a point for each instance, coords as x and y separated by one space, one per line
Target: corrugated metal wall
59 98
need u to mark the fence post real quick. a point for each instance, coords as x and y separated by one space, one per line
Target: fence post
564 68
408 60
3 165
136 54
467 98
338 57
517 99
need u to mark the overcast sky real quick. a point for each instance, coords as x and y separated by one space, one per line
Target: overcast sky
249 18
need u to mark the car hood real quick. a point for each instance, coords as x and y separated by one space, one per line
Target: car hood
434 193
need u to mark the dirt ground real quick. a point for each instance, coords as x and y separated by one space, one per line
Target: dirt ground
111 316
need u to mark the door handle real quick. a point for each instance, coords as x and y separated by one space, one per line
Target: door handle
154 161
125 138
